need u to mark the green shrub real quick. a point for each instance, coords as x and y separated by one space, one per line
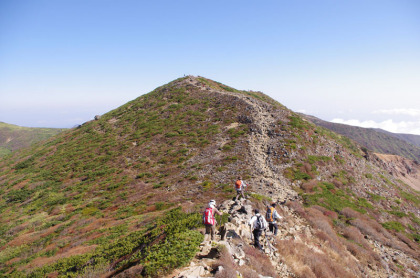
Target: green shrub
297 122
260 197
227 147
397 213
18 196
410 197
162 205
393 225
222 219
171 243
164 257
24 164
206 185
298 175
89 211
376 197
158 185
314 158
335 200
369 176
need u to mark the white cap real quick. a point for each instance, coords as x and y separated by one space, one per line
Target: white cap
212 203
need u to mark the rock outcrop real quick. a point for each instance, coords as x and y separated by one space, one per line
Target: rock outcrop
406 170
235 238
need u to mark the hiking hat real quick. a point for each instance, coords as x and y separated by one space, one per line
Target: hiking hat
212 203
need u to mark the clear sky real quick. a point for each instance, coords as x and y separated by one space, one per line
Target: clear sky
63 62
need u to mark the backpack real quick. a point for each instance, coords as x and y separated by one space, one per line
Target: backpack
269 214
238 184
260 224
208 218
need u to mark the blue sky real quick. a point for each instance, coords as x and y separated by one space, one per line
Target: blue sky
358 62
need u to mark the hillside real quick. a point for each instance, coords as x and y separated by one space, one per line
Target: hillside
406 170
410 138
119 196
380 141
14 137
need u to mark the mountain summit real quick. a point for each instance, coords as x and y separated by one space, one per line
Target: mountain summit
120 194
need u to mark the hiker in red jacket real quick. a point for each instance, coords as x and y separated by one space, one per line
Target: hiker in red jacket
240 188
209 220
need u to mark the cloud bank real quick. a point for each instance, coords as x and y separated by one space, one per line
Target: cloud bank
410 127
399 111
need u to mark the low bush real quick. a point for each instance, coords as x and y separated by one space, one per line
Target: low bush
170 243
353 234
314 158
259 262
334 199
305 262
309 186
393 225
226 261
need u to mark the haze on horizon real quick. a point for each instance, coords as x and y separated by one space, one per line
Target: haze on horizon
354 62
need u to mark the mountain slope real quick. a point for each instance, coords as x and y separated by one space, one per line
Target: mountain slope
14 137
95 200
406 170
410 138
376 140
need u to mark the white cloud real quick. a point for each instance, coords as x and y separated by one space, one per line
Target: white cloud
399 111
410 127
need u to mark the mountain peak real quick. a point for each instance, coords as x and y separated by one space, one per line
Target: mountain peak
108 195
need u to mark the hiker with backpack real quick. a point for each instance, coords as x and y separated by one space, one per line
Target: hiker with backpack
209 220
240 188
257 224
271 216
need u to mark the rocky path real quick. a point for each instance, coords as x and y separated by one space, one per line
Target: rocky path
266 177
237 238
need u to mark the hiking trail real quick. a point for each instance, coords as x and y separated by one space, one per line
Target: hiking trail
235 238
261 139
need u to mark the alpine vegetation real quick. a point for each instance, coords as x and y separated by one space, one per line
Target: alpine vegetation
130 194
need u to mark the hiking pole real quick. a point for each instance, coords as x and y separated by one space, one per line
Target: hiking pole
268 241
251 232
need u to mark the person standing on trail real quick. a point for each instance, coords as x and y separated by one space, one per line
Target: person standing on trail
271 217
240 188
209 220
257 224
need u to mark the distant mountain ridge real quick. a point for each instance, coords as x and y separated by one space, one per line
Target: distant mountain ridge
410 138
13 137
377 140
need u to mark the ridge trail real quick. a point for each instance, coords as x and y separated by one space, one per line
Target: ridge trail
266 178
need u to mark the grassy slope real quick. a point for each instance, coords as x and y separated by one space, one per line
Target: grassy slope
121 170
14 137
410 138
87 189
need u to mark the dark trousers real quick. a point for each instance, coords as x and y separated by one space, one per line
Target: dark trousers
272 226
257 233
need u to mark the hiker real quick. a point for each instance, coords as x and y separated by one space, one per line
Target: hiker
240 188
257 224
209 220
271 217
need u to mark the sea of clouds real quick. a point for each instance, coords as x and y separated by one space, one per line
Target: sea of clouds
408 121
